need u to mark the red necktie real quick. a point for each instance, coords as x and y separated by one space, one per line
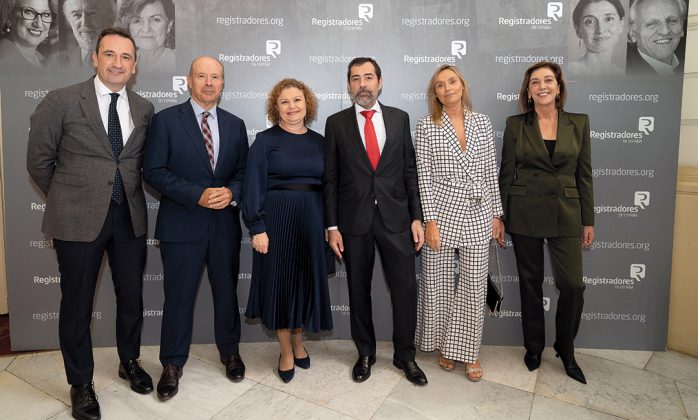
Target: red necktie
208 138
372 150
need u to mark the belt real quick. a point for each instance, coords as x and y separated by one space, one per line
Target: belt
298 187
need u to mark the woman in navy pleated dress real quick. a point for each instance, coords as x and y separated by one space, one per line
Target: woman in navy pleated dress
283 209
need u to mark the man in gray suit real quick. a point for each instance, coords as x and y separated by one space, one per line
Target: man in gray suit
85 153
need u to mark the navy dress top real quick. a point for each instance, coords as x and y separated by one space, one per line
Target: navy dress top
282 196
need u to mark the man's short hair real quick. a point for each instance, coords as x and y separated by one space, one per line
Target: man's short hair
635 4
115 30
361 60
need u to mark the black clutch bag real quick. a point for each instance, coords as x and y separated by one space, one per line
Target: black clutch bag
494 293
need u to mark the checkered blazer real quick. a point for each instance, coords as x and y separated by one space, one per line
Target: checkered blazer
459 190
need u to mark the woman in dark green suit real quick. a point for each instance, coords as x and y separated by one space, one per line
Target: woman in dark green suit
547 194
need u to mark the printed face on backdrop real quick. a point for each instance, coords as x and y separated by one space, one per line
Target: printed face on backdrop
150 26
543 87
448 88
31 22
291 106
657 30
116 61
364 86
206 82
87 18
599 26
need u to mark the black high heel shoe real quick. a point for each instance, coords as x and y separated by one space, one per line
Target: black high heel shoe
303 363
572 369
285 375
532 360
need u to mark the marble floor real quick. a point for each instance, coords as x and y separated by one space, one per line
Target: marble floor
621 384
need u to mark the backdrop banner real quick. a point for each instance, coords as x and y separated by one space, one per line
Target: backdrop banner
615 69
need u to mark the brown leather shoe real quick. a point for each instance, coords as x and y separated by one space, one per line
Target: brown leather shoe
169 382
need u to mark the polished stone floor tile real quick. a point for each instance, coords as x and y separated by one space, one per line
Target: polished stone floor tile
501 364
449 396
546 409
22 401
5 362
328 382
634 358
33 386
689 397
263 403
204 391
676 366
612 388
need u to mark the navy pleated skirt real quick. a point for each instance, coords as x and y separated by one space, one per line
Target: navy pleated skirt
289 284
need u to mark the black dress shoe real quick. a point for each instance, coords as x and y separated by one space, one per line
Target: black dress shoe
303 363
169 382
285 375
138 379
412 372
362 368
84 401
234 368
572 369
532 360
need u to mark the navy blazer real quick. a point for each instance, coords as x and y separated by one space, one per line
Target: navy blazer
176 164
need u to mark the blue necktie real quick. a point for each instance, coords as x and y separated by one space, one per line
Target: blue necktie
117 143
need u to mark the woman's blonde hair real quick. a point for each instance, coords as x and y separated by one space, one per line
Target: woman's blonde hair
435 106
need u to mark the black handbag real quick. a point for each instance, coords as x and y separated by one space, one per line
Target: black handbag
495 296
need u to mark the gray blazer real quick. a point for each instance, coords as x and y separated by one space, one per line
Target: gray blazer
70 159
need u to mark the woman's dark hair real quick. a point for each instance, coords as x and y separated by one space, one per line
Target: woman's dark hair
525 104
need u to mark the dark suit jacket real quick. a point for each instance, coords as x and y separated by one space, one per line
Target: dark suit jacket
70 159
351 186
545 197
176 164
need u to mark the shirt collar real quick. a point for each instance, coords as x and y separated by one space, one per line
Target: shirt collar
358 108
103 90
198 109
659 66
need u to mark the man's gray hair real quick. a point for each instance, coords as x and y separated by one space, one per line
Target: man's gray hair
634 5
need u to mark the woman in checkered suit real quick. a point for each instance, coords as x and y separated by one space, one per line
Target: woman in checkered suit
457 172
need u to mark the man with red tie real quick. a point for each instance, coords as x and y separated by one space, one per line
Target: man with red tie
372 199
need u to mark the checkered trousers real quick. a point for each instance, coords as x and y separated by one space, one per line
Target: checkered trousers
450 312
459 190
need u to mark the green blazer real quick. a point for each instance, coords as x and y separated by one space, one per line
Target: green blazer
544 197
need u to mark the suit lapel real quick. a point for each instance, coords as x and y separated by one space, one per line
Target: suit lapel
223 137
89 105
535 140
354 136
137 113
391 129
188 119
565 136
452 138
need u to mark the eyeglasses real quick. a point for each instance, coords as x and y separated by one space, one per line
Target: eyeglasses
30 14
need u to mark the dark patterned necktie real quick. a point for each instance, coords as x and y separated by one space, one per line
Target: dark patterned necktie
117 143
208 138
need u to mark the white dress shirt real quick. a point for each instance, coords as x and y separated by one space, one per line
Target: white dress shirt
378 124
212 124
659 66
122 108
